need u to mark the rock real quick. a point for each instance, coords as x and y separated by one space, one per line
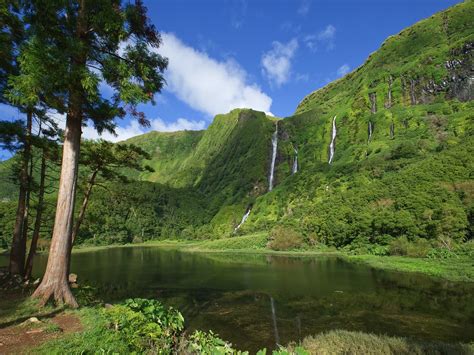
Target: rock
37 281
108 305
72 278
33 320
74 285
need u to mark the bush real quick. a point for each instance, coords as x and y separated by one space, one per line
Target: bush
440 253
146 324
284 238
205 343
417 249
346 342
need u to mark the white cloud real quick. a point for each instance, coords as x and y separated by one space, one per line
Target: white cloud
276 62
208 85
302 77
181 124
133 128
343 70
325 37
327 34
311 42
304 7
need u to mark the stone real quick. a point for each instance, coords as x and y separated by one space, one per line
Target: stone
33 320
74 285
108 305
72 278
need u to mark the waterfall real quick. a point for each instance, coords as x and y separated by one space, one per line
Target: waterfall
274 154
294 170
370 129
244 218
332 146
275 327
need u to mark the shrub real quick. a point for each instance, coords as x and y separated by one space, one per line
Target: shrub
417 249
362 246
346 342
284 238
440 253
146 324
205 343
404 150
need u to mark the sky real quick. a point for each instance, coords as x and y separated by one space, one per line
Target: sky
261 54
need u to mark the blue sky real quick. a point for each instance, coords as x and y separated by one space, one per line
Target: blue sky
264 54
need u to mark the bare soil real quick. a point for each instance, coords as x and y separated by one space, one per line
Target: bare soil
23 338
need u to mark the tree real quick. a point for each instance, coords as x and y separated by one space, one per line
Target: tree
15 137
49 152
74 47
11 36
107 161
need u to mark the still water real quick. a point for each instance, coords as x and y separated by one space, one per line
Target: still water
257 301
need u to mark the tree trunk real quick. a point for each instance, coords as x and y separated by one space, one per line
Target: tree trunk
18 249
82 212
55 280
38 219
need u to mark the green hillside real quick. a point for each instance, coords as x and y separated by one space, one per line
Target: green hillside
411 181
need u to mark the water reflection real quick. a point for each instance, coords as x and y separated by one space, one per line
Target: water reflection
255 301
275 326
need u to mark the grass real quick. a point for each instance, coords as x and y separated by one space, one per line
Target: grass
345 342
453 269
16 308
96 337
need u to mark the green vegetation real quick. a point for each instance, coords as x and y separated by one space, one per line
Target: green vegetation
406 192
345 342
138 326
146 326
410 185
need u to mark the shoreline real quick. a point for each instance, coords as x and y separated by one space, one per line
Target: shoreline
454 269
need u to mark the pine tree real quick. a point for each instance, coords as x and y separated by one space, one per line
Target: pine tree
75 46
107 161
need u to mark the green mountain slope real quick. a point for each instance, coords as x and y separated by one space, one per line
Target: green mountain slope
411 178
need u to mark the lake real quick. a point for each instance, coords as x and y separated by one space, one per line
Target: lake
257 301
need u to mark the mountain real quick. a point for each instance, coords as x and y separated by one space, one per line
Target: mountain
402 165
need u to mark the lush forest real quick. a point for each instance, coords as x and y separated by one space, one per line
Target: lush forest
400 181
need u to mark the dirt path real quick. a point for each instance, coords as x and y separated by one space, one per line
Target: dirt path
20 338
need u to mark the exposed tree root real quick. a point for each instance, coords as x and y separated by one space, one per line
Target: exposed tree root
58 291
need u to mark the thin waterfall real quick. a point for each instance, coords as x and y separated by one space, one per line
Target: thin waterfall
332 146
274 154
244 218
370 130
294 170
275 327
